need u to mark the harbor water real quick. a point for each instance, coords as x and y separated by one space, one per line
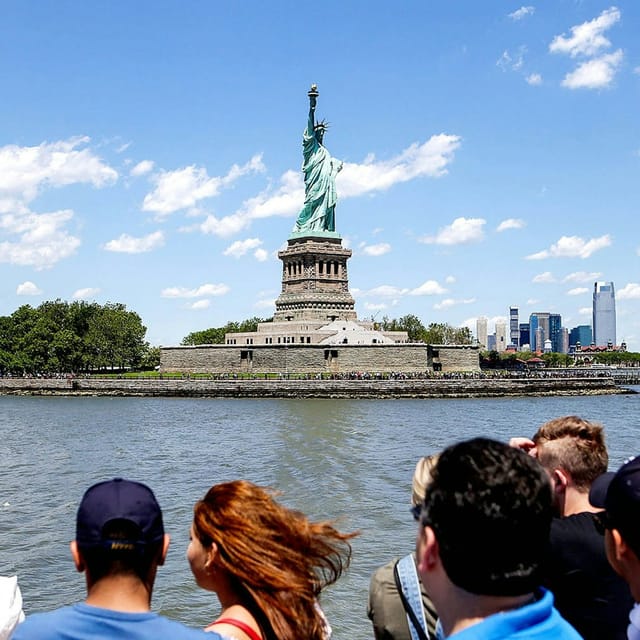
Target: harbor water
346 460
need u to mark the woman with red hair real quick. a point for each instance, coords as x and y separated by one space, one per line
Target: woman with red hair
266 563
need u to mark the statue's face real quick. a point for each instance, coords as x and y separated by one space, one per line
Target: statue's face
319 135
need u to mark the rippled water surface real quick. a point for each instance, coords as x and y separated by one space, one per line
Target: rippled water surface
351 460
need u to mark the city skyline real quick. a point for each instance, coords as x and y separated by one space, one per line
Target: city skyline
150 154
543 328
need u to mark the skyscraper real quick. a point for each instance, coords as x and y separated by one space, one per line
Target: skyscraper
501 335
538 330
514 329
604 314
555 332
481 332
581 334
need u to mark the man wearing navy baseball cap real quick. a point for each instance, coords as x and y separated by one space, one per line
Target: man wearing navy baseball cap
120 542
619 495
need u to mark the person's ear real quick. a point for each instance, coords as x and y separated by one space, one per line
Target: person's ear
78 560
560 481
427 550
621 549
165 548
212 554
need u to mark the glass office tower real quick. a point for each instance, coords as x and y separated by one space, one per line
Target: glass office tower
604 314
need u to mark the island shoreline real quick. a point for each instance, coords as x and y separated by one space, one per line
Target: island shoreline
303 388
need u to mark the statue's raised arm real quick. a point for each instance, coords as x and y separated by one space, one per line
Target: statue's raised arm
320 171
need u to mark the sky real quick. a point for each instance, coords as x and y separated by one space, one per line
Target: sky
150 154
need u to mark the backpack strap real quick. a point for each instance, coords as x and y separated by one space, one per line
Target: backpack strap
408 587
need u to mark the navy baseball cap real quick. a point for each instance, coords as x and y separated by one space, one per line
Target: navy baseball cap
619 495
123 500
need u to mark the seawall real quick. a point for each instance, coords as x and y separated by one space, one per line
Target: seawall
421 388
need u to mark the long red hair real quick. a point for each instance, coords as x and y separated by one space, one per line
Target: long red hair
277 558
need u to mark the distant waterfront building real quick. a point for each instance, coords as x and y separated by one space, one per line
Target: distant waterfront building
565 340
501 335
581 335
514 330
481 332
491 342
604 314
524 335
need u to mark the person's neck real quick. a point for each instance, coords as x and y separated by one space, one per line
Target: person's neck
227 595
126 593
577 501
464 609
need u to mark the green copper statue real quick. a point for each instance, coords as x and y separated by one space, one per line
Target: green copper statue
320 171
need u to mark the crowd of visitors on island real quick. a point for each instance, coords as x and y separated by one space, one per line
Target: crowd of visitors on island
528 539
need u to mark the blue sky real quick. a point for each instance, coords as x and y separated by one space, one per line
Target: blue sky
150 154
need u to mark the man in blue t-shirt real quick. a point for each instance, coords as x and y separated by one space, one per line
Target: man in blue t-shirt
120 542
483 533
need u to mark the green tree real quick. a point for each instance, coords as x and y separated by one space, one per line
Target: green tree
115 337
215 335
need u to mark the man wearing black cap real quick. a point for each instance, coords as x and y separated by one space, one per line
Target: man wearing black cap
120 542
619 495
483 532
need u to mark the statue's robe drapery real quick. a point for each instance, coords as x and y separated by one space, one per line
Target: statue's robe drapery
320 196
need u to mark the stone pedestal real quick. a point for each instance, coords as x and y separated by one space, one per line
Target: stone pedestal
315 284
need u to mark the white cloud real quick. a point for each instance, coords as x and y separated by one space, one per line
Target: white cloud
587 39
532 301
385 291
84 294
460 231
28 288
585 311
450 279
128 244
142 168
203 290
534 79
594 74
36 239
429 159
522 12
512 61
184 188
24 171
265 304
447 303
261 255
582 276
376 249
241 247
428 288
629 292
199 304
578 291
42 240
511 223
546 277
572 247
369 306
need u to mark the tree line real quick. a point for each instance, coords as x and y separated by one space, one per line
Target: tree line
435 333
61 337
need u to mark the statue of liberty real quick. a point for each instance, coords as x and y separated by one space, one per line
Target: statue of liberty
320 171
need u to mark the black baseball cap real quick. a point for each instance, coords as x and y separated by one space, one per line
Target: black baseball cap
619 495
123 500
